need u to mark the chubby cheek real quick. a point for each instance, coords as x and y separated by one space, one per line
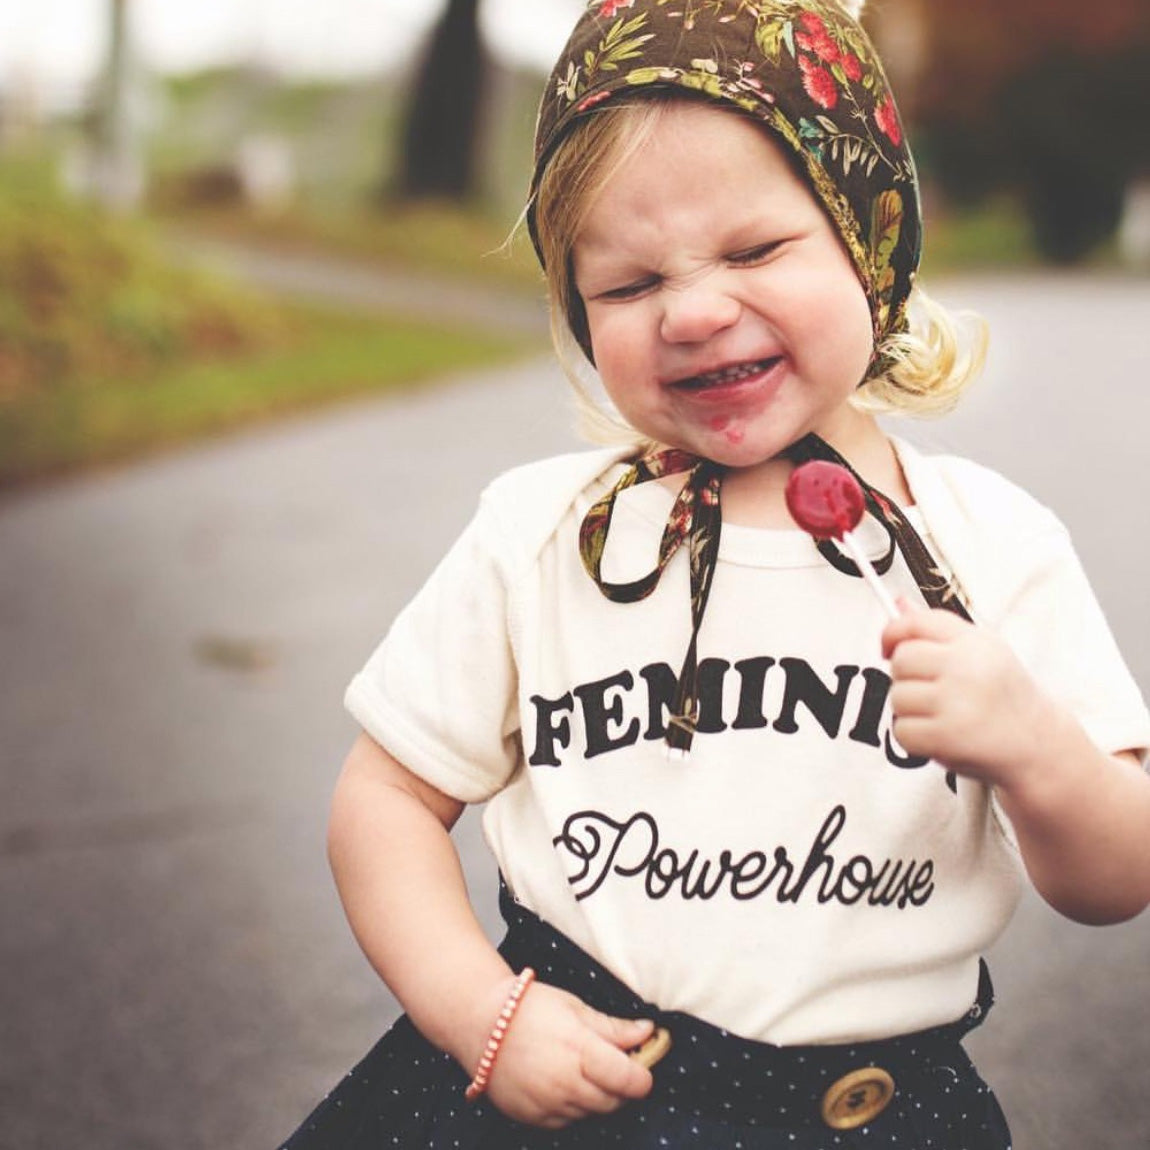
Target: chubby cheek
642 406
863 326
847 332
854 355
624 360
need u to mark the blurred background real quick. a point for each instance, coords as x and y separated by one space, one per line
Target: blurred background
263 337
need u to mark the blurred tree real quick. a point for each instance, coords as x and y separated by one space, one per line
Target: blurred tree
440 143
1047 97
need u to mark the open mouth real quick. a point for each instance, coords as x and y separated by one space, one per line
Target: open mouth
726 376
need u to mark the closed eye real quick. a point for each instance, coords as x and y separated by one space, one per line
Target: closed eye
632 290
750 257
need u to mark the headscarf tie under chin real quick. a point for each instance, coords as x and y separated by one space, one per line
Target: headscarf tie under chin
696 520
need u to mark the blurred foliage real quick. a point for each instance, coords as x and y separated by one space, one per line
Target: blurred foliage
994 235
345 139
109 351
336 355
339 134
460 243
85 297
1047 98
1078 135
970 57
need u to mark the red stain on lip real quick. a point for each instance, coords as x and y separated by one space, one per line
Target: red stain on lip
725 424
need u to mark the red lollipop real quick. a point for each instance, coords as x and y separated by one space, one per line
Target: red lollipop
826 500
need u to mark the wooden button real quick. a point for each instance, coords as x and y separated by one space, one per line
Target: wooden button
857 1098
653 1050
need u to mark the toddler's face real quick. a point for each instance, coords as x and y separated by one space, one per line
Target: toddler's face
725 315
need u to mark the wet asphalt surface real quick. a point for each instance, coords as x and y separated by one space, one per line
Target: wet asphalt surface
175 637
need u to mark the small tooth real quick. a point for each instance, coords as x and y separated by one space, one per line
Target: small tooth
726 375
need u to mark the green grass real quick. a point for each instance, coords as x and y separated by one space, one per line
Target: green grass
470 246
78 425
108 351
87 296
992 237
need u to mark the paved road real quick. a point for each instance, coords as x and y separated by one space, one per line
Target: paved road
174 968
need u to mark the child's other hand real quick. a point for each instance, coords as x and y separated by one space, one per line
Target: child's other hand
562 1061
961 697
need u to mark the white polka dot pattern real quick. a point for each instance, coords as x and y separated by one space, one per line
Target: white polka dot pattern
713 1091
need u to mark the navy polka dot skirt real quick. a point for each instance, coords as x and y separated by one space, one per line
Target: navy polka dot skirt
713 1091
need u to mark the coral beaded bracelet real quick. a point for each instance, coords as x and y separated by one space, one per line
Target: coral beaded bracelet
498 1033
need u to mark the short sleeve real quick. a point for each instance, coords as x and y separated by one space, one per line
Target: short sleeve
1053 621
439 693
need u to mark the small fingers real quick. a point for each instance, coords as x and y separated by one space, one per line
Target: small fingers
577 1066
917 735
918 622
913 698
556 1102
917 660
610 1070
607 1064
625 1033
593 1099
900 628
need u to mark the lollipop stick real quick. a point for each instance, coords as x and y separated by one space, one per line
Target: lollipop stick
870 574
827 500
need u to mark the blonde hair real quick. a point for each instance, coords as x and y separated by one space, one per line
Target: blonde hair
925 368
576 173
928 366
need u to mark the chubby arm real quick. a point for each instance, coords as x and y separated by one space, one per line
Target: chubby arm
404 894
1082 817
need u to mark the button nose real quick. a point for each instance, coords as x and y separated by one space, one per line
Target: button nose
694 312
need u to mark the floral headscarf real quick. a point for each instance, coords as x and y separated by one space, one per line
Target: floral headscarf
805 69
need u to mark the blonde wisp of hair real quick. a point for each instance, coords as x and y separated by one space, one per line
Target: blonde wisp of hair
576 174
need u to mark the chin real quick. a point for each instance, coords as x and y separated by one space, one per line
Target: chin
732 450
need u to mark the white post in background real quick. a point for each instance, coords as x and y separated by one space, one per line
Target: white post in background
1134 231
118 175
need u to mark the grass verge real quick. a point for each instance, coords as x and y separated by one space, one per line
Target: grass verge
993 237
461 244
76 425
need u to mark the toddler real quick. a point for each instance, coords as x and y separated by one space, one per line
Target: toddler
754 835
